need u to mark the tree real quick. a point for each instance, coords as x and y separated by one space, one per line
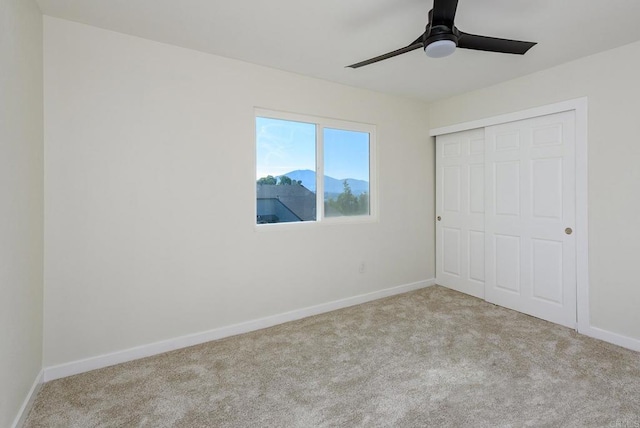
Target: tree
347 203
284 181
363 203
269 179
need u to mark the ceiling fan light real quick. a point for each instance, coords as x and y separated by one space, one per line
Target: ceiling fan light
440 48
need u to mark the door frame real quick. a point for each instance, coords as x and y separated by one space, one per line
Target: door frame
579 106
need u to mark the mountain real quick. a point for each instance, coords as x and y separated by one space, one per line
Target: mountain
331 185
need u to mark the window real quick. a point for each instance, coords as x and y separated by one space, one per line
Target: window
312 169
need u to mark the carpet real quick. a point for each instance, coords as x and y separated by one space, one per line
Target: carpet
428 358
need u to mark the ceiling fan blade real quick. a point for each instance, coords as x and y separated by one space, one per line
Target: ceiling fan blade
444 12
493 44
416 44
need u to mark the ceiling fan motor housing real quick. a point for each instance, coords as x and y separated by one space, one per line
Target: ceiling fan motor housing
440 32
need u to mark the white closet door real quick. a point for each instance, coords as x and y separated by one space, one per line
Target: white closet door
460 238
530 216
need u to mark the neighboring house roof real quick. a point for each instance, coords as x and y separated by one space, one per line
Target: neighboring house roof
297 198
271 210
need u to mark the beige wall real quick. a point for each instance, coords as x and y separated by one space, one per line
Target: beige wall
150 206
610 81
21 198
150 195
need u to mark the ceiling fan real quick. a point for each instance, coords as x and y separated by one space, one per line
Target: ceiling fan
441 38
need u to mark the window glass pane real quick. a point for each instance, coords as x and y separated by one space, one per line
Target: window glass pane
346 173
285 171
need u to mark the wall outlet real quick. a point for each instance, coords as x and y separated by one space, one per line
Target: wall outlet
362 267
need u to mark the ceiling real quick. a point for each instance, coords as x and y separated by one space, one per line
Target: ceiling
320 38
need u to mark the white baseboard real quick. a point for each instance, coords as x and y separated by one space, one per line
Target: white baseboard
608 336
85 365
21 417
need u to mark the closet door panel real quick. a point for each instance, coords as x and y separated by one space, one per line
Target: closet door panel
460 200
530 248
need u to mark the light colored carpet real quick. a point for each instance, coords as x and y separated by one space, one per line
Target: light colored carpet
432 357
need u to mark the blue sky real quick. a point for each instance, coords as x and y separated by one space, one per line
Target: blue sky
284 146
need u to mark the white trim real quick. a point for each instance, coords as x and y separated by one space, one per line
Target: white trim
579 106
611 337
21 417
583 320
319 173
569 105
81 366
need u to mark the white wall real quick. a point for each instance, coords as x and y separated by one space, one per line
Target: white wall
21 199
149 228
610 81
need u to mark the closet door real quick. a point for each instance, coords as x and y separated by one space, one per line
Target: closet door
530 216
460 237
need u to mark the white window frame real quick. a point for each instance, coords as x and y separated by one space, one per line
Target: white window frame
321 123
